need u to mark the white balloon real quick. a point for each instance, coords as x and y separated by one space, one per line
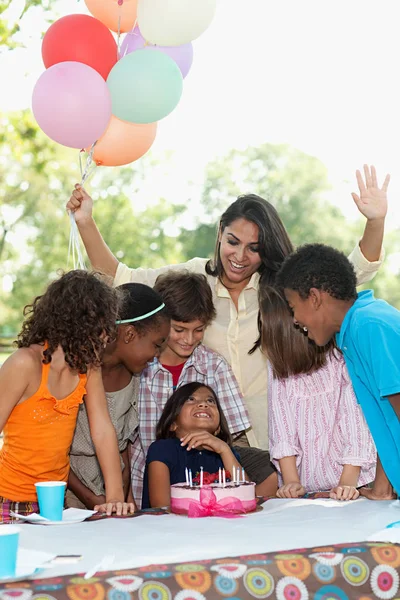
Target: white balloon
174 22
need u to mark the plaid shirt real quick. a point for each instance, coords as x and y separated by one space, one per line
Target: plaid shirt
205 366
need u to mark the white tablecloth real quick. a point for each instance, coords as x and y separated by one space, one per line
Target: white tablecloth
281 525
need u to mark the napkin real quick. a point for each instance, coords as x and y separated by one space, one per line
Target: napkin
29 560
70 515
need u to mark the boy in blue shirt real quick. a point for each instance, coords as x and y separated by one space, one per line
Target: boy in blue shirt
320 287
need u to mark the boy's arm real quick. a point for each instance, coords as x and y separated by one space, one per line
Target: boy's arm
382 489
83 493
230 397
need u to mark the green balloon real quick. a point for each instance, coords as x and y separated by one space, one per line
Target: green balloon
145 85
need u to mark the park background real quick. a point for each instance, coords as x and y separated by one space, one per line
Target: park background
285 99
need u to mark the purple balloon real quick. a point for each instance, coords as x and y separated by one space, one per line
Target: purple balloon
182 55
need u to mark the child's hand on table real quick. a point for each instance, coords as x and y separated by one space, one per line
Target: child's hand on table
291 490
119 508
344 492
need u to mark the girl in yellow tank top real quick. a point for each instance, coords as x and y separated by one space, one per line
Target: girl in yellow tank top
57 367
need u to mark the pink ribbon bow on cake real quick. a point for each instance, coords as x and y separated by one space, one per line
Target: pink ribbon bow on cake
209 507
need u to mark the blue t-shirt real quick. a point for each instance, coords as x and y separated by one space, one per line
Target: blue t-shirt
177 459
370 341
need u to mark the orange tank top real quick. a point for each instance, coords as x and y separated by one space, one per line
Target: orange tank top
37 439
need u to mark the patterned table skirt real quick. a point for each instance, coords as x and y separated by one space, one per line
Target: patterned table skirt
341 572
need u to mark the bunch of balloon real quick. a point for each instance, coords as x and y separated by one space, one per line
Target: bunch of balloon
107 100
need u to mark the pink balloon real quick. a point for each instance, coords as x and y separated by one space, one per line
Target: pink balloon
72 104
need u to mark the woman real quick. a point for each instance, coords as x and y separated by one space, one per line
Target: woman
251 243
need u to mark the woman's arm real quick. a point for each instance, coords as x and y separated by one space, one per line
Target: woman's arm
382 488
83 493
104 437
159 484
372 203
100 256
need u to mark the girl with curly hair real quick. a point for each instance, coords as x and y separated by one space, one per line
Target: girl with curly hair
58 366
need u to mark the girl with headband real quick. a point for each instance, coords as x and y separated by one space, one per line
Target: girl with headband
143 328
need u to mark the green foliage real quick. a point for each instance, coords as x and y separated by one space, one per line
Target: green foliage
37 179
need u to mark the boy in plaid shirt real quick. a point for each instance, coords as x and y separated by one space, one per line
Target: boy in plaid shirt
184 359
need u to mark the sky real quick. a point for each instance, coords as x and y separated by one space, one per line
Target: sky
316 74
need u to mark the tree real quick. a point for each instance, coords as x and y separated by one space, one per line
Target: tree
34 227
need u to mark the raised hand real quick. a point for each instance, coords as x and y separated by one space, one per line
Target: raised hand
291 490
80 203
372 201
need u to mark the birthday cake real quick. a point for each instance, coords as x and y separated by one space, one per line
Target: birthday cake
213 499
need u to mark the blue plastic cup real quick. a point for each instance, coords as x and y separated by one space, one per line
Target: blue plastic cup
51 499
9 538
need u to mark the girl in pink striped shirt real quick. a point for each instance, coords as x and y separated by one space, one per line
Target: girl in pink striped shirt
318 436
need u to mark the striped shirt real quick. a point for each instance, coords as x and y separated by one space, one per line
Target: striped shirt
315 417
156 386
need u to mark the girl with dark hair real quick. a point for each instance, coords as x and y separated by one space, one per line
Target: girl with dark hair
318 437
143 327
192 432
251 244
55 369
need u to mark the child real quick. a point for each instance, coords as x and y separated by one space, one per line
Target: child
319 439
143 327
184 358
56 366
191 433
320 287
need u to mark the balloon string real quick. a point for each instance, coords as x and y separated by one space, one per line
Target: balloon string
74 246
119 34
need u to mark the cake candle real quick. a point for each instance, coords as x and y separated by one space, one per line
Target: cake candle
238 475
233 474
187 476
243 477
190 478
223 478
201 476
219 476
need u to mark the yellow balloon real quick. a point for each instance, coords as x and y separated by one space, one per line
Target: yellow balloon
110 12
123 143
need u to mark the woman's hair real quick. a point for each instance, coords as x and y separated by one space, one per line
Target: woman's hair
187 296
273 239
288 349
173 408
141 307
78 312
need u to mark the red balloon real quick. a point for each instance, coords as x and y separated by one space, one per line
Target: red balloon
80 38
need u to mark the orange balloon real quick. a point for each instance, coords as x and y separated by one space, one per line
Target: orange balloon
123 142
109 11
